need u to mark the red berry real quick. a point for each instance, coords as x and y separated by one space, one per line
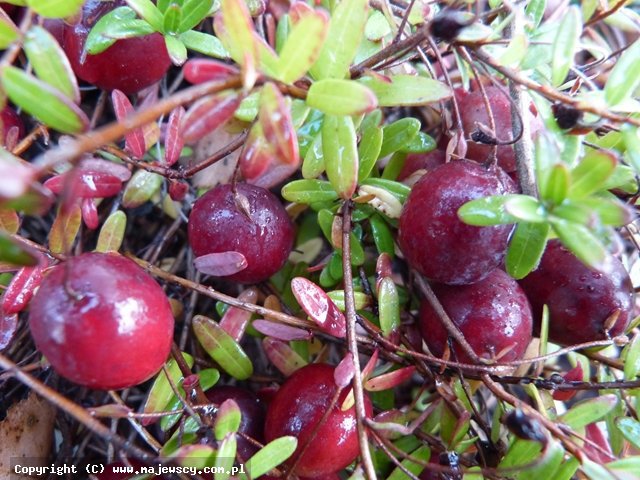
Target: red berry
473 111
297 410
253 413
432 237
493 315
582 302
102 322
128 65
251 221
422 161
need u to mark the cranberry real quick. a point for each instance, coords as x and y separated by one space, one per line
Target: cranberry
435 241
422 161
297 410
493 315
12 126
473 111
128 65
251 221
253 413
102 322
582 302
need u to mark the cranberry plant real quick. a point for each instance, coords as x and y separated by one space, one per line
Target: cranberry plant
389 239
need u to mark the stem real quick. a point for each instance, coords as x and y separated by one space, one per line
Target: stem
350 312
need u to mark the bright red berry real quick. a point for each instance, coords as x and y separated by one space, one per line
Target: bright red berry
433 238
297 410
250 221
584 305
493 315
102 322
129 65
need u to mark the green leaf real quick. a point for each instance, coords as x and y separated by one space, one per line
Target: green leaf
172 18
9 220
581 242
397 189
627 467
422 453
389 306
630 429
535 11
407 90
50 63
346 31
526 248
14 253
525 209
141 187
377 26
193 12
382 235
557 183
65 229
421 143
55 8
398 134
340 154
161 392
610 211
589 411
369 150
487 211
313 164
624 79
112 232
591 173
302 48
204 43
309 191
270 456
120 22
148 11
225 457
565 45
341 97
632 358
631 136
228 419
222 348
176 49
238 36
8 33
45 103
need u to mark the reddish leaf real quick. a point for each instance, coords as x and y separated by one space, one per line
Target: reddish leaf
208 114
345 371
574 375
320 308
603 454
85 184
134 140
256 155
64 229
282 356
200 70
280 331
299 10
221 264
384 269
9 220
235 320
178 190
370 366
90 213
8 328
274 175
173 140
389 380
105 166
21 289
275 118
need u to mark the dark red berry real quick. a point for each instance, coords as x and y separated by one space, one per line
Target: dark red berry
253 414
128 65
422 161
297 410
102 322
473 112
584 305
432 237
251 221
493 315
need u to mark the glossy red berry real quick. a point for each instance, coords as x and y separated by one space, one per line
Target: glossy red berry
584 305
253 414
433 238
297 410
102 322
251 221
473 112
128 65
493 315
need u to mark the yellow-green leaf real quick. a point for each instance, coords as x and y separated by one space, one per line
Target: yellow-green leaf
112 232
